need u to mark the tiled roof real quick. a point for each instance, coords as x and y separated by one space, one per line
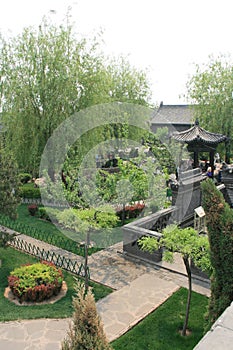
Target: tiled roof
198 134
173 114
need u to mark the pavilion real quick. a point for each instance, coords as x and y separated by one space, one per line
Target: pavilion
200 140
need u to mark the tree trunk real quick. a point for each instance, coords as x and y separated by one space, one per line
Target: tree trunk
227 149
188 269
86 261
123 215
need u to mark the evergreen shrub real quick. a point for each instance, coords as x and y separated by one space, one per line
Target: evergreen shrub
24 177
35 282
220 232
86 331
29 192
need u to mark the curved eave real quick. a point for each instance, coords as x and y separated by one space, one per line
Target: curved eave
199 136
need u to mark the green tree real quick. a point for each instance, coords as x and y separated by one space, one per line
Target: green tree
133 182
167 152
86 331
128 185
210 89
189 244
130 84
5 238
9 199
46 75
220 231
87 224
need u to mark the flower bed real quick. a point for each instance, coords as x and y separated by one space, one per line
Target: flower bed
131 211
36 282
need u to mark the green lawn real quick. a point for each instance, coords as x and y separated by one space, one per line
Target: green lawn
160 330
45 231
48 230
11 258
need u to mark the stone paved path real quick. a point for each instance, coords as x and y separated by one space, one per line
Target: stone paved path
139 289
127 306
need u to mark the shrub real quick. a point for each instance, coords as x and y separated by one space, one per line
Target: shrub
52 214
35 282
131 211
6 238
27 191
103 218
42 213
32 208
69 219
79 219
86 331
24 178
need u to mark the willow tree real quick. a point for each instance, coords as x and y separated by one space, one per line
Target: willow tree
49 73
9 183
210 89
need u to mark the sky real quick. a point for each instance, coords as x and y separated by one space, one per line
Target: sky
166 37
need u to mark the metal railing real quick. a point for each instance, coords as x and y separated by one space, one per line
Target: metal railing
57 259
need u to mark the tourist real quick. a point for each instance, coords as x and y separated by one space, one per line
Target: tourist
209 172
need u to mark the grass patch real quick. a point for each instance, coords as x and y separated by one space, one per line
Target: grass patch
63 238
11 259
159 330
44 231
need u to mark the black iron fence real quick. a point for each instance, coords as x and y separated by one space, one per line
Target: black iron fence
48 237
59 260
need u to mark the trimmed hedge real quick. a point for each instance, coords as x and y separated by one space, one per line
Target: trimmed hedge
27 191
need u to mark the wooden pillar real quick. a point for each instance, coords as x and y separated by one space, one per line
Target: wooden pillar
195 160
212 161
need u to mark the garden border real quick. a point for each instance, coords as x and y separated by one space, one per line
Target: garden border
57 259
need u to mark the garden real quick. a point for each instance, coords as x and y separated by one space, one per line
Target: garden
162 325
37 226
115 159
12 259
62 228
67 229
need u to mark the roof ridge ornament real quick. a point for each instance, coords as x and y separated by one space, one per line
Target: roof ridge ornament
197 122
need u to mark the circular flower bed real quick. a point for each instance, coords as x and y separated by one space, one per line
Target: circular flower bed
35 282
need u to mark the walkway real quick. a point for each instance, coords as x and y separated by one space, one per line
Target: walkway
139 289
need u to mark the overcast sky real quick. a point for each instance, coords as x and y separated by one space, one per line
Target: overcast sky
165 36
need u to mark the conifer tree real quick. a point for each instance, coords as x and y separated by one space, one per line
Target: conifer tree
86 331
220 231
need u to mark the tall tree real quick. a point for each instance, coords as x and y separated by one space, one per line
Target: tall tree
47 74
220 231
210 89
189 244
130 84
9 199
